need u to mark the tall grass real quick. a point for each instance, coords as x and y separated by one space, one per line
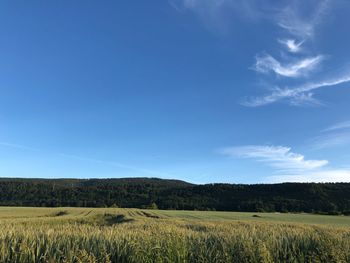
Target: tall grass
100 239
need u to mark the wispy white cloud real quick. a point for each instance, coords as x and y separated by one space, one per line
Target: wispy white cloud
297 95
292 45
214 8
333 136
266 63
299 19
215 14
333 139
279 157
296 22
289 166
219 15
293 16
338 126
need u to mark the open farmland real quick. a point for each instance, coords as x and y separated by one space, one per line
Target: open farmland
134 235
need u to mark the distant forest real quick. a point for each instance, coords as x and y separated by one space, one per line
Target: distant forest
324 198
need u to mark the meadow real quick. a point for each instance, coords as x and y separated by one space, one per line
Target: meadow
135 235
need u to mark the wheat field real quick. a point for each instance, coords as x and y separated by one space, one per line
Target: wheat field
133 235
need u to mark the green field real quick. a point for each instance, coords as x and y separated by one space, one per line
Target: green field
90 213
134 235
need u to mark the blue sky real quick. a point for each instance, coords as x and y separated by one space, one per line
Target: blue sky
199 90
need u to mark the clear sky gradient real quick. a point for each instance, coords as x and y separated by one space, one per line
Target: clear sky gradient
199 90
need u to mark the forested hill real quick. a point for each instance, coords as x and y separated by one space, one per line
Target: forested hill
330 198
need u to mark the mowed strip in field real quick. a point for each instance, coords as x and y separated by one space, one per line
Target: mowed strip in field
85 213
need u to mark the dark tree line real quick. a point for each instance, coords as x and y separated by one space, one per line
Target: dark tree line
328 198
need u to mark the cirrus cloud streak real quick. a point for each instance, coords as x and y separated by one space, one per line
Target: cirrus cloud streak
298 95
266 63
289 166
279 157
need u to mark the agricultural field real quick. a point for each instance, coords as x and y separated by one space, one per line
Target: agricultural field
135 235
